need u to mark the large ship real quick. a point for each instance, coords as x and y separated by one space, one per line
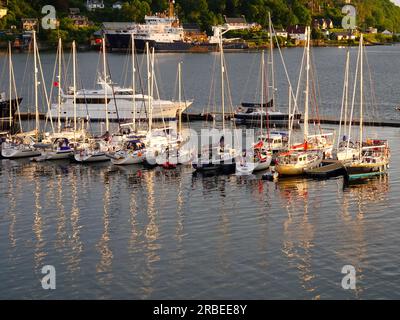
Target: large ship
165 33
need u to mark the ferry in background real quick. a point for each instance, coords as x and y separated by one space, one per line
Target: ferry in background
165 33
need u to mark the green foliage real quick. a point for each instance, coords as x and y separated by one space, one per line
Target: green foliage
382 14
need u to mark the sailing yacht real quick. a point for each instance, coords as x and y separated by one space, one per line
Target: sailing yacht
131 149
260 155
256 113
22 145
300 158
9 105
95 150
346 150
220 158
374 154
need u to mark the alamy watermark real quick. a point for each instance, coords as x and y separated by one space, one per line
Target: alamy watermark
349 22
349 280
49 21
49 280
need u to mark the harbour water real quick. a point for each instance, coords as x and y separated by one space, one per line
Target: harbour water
132 233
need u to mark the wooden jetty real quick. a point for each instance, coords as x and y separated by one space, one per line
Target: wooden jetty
186 117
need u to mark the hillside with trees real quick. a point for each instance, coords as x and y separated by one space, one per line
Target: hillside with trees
382 14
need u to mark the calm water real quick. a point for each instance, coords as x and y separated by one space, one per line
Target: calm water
130 233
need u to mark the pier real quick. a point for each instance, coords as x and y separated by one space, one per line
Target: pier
189 117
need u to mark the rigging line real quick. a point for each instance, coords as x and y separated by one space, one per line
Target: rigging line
353 97
124 75
45 90
99 62
3 72
228 86
17 98
212 90
317 91
114 97
176 89
246 86
285 68
52 83
374 105
141 84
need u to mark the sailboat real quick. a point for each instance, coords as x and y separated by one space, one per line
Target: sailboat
59 144
298 159
9 105
374 154
220 158
95 150
254 113
259 157
345 149
162 144
22 145
131 150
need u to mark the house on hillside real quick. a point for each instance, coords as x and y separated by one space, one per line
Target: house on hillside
3 11
239 23
323 24
297 33
344 35
280 33
387 33
80 21
30 24
93 5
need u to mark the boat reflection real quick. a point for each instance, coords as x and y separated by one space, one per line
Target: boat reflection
151 234
298 231
104 266
359 201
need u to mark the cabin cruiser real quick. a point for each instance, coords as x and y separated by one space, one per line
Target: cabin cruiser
253 113
91 104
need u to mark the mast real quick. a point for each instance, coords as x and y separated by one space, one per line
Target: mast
152 83
36 84
105 83
271 48
59 82
345 98
149 77
306 100
361 92
262 89
74 81
222 81
133 82
290 116
10 80
180 96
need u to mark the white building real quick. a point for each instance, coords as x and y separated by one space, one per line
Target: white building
297 33
92 5
280 33
117 5
387 33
